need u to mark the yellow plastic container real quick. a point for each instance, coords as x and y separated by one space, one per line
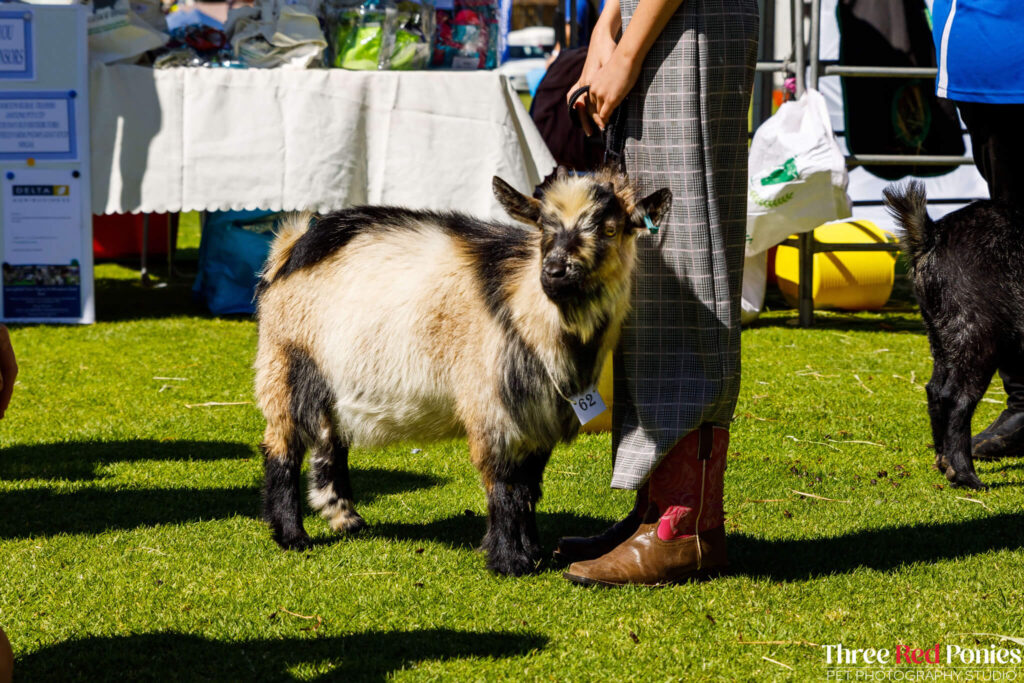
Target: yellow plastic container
848 280
603 422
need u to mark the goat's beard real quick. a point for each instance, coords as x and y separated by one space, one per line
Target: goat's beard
592 308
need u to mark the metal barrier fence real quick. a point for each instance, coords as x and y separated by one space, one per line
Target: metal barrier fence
805 63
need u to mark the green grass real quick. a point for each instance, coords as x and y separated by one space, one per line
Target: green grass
132 550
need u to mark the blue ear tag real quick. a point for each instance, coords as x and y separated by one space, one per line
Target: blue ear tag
650 225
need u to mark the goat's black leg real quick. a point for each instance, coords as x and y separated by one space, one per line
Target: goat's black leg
959 396
512 481
282 501
938 413
533 473
508 502
330 489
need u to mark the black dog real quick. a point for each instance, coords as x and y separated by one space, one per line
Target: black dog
968 272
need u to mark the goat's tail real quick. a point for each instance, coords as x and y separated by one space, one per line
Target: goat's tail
288 233
908 205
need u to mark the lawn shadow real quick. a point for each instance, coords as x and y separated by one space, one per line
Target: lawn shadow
875 549
1002 484
467 529
839 321
119 299
79 460
891 318
178 656
42 512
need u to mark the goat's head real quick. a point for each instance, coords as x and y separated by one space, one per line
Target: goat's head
588 228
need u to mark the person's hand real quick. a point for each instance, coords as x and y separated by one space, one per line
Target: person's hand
610 86
8 369
602 46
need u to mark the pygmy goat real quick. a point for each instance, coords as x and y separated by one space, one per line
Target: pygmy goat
379 325
968 273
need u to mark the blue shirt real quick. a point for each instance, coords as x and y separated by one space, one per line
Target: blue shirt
583 18
979 47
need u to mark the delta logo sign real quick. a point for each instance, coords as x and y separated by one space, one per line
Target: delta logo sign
41 190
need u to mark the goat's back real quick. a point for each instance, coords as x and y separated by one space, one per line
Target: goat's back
968 273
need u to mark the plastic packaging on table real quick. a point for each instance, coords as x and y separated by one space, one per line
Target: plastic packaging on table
197 45
380 35
412 37
467 35
364 44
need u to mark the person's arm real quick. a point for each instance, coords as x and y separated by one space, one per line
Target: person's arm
602 44
610 85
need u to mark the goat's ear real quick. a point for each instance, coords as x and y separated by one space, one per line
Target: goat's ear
561 173
518 205
654 206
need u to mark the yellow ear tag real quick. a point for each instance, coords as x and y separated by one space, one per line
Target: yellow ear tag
650 225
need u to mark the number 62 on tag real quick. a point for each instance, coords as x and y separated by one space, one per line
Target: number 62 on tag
587 405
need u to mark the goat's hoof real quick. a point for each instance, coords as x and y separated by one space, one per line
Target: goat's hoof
534 552
968 480
941 463
348 522
518 565
299 541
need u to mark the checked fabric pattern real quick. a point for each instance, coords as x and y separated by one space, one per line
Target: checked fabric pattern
684 126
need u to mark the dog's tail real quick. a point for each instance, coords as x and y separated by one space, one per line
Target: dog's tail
908 205
288 233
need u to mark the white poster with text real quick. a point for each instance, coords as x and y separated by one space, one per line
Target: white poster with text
17 58
42 226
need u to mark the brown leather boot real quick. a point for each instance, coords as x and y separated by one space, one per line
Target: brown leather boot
683 534
582 548
647 560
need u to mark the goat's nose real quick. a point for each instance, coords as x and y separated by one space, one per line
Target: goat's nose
555 269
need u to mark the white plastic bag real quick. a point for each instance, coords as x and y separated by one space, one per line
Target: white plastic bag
797 175
755 282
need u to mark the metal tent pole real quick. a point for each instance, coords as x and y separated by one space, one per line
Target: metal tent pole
762 100
815 48
805 253
144 258
799 49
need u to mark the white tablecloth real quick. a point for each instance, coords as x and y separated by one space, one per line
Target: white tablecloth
215 139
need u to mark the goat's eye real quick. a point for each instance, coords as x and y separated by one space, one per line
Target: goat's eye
610 229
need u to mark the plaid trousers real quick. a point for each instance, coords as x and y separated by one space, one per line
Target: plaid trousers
684 126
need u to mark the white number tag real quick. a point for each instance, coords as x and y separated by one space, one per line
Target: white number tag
587 405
